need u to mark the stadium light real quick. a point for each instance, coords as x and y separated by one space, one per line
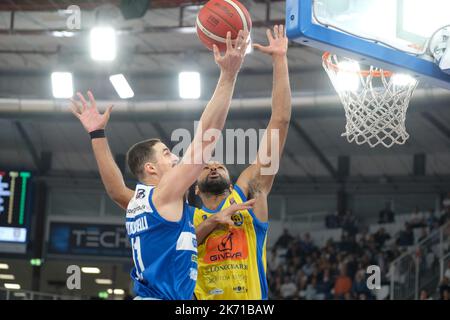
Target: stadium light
12 286
189 85
4 266
121 86
62 85
103 43
103 281
93 270
7 277
117 292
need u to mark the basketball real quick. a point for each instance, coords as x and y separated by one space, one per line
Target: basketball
218 17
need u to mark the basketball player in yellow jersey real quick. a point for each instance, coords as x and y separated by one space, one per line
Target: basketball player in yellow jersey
232 251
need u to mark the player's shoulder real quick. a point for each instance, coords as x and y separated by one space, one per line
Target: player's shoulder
238 194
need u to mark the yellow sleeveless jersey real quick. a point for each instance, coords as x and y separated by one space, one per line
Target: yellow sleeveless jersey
232 260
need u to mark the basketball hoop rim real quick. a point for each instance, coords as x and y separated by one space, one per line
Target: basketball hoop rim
365 73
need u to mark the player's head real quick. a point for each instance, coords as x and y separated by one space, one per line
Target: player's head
150 158
214 179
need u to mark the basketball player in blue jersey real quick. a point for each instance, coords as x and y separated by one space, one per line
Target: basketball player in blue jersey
232 259
158 220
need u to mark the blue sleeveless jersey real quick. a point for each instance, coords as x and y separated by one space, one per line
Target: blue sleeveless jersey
164 252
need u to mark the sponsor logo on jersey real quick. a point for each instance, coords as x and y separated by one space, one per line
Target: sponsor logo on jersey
238 219
229 246
140 194
239 266
204 217
134 210
187 241
240 289
216 291
194 258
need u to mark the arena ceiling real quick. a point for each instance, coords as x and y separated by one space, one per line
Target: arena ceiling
152 50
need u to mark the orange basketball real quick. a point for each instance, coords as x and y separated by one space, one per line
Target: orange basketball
218 17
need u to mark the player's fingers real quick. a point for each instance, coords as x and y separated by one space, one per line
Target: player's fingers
281 32
238 41
83 101
75 106
249 202
217 55
228 41
92 99
245 42
108 110
259 47
275 31
269 35
74 111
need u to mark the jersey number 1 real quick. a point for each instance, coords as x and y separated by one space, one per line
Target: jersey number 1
137 255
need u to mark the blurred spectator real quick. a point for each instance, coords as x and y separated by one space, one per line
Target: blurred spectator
444 287
424 295
337 268
445 216
332 221
288 289
308 267
362 296
447 272
386 215
446 294
406 237
284 240
380 237
348 296
306 245
349 223
325 285
343 284
311 289
431 219
360 284
417 219
274 261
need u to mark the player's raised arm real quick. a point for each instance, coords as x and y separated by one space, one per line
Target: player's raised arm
95 123
175 183
257 179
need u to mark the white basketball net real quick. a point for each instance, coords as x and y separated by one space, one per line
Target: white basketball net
375 101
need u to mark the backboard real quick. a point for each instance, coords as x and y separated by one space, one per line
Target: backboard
389 34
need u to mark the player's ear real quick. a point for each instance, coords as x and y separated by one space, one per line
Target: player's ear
149 168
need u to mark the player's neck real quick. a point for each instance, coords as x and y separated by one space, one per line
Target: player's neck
212 201
151 181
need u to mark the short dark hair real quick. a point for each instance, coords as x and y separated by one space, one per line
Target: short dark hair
139 154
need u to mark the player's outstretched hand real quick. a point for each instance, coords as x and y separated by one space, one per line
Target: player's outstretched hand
224 216
231 62
278 42
88 114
